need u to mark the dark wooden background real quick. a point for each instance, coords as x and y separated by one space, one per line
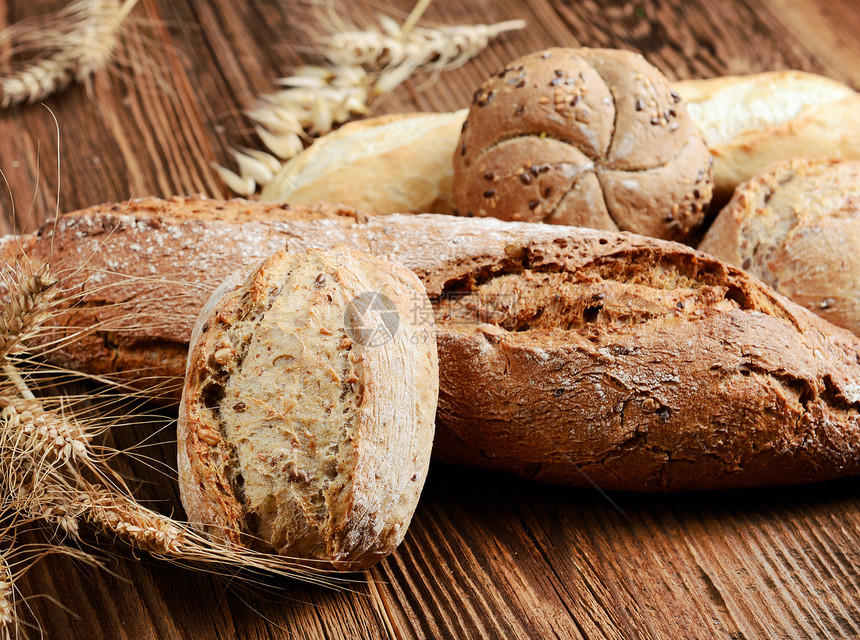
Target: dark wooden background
486 556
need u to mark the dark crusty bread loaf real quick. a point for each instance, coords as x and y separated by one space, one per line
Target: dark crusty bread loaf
566 355
306 420
152 263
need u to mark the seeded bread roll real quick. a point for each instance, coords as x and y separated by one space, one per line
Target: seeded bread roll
750 122
585 137
307 415
796 226
566 355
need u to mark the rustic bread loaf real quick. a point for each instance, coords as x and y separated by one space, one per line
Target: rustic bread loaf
796 225
585 137
566 355
750 122
389 164
307 415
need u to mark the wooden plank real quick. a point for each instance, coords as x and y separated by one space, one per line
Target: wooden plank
486 556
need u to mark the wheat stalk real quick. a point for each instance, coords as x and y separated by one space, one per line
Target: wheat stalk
28 307
53 472
15 560
362 65
8 619
73 44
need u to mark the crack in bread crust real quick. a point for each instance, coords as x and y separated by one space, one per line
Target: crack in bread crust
626 287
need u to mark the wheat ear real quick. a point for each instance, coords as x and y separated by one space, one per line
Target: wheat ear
362 65
75 43
52 472
30 299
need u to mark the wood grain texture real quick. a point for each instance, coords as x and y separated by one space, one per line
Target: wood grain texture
486 556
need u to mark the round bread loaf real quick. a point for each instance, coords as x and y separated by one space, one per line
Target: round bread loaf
796 226
308 410
586 137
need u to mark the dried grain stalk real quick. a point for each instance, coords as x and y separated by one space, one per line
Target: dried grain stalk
15 560
30 298
362 64
54 472
71 45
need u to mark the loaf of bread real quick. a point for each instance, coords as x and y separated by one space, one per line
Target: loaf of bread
585 137
750 122
306 420
388 164
796 226
566 355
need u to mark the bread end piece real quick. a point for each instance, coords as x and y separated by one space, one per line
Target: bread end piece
308 410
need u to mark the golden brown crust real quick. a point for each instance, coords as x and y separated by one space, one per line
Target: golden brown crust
586 137
796 225
640 366
392 163
643 363
155 257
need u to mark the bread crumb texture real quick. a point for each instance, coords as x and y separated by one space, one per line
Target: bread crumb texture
308 411
584 137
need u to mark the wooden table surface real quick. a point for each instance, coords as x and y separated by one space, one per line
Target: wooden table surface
486 556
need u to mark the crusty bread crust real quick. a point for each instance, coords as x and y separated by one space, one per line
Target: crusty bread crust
152 262
388 164
566 355
297 433
748 122
796 225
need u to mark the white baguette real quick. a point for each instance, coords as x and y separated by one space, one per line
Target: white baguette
750 122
